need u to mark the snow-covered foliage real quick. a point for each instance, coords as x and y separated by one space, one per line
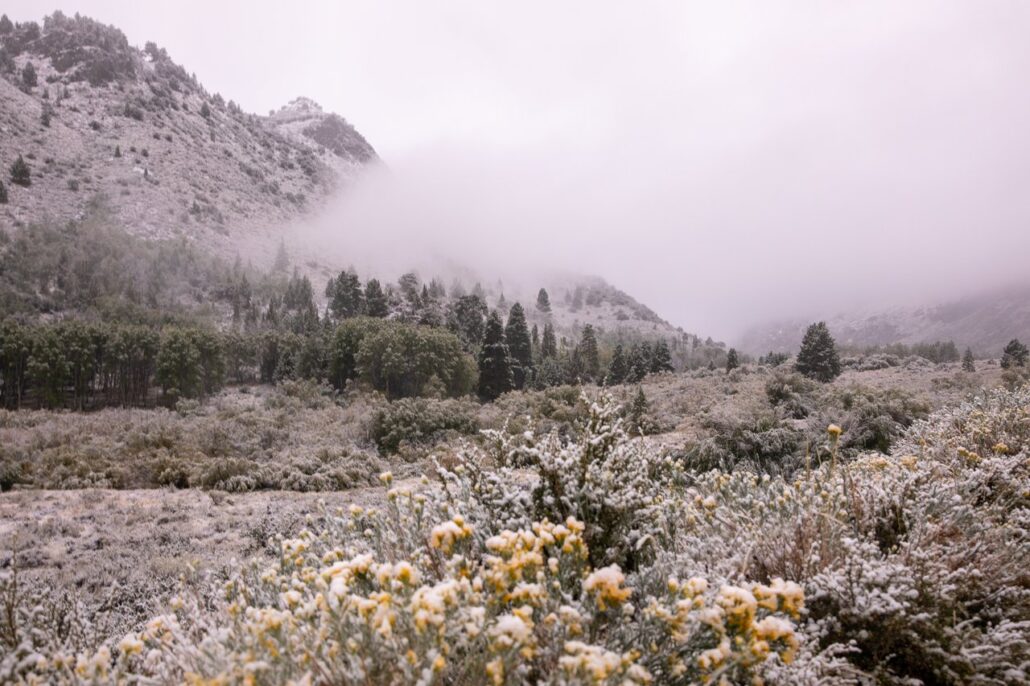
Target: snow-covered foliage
599 560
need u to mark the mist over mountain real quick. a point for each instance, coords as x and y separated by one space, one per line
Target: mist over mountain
108 128
984 322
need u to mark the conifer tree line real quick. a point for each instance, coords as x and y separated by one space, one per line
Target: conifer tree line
404 341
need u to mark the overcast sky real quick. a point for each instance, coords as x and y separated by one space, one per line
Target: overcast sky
725 162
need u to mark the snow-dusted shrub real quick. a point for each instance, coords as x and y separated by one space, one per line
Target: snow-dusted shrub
290 437
420 593
761 443
421 421
790 393
905 568
914 563
872 419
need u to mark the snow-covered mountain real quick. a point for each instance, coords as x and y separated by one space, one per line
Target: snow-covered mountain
100 121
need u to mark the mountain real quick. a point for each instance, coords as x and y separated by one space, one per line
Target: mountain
128 138
100 121
984 322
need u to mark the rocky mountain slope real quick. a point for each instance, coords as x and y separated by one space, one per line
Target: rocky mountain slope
100 121
984 322
129 137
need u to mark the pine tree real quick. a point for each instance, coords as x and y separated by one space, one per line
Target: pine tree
465 317
535 337
282 259
577 299
6 25
617 368
588 353
548 344
1015 355
661 359
543 301
20 172
346 299
117 151
968 365
516 334
638 411
639 363
28 75
3 193
818 358
376 304
732 361
495 374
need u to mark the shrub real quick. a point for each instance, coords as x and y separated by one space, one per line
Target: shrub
20 172
906 568
421 421
871 419
791 393
1015 355
762 443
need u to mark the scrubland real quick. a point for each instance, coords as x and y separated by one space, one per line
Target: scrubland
731 528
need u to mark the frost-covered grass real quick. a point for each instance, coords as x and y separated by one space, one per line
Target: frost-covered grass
602 560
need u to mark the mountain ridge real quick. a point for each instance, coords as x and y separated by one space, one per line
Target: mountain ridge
983 322
95 117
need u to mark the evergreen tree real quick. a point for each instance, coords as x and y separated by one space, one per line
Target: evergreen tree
968 365
818 358
638 413
282 259
732 361
20 172
437 291
617 369
577 299
535 337
516 334
117 151
548 344
28 75
376 304
3 193
465 318
495 374
588 354
543 301
410 287
6 25
661 359
1015 355
639 363
346 299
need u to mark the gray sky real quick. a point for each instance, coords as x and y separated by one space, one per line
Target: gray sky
725 162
